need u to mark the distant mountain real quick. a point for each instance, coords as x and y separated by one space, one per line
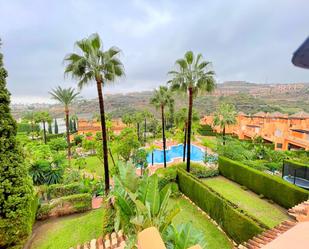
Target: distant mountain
247 97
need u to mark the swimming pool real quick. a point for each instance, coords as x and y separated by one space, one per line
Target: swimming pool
176 151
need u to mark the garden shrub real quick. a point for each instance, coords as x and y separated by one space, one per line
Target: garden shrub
59 190
199 170
65 205
166 175
272 187
238 224
16 190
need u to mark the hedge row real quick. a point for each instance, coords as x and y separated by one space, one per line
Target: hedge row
59 190
272 187
65 205
239 225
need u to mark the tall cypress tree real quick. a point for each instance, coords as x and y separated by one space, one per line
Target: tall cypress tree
50 130
56 127
16 190
71 125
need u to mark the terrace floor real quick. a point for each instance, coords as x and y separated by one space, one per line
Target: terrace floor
268 213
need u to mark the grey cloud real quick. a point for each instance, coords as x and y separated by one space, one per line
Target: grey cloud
245 40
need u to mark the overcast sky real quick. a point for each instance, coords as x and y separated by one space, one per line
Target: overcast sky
251 40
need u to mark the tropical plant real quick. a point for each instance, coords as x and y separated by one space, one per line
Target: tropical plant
126 143
140 159
183 236
191 76
139 203
162 98
94 64
37 171
127 119
66 96
224 116
43 117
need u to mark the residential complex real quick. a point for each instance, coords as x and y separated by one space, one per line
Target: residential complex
94 126
286 132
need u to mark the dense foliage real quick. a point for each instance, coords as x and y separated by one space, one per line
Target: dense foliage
262 183
16 191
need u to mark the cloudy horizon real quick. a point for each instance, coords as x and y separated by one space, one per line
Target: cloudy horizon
245 40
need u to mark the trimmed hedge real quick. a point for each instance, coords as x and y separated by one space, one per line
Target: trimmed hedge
59 190
65 205
239 225
272 187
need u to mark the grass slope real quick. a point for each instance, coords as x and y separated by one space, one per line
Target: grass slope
189 213
66 232
266 212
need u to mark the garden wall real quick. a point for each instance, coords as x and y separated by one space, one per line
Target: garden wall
272 187
239 225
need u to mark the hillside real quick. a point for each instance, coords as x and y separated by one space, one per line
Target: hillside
247 97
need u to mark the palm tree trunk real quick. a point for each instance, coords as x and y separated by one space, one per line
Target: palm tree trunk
104 137
68 133
138 132
44 132
223 134
163 135
32 130
189 128
184 143
145 124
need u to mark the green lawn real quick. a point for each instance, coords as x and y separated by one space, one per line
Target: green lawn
268 213
94 165
66 232
210 142
215 238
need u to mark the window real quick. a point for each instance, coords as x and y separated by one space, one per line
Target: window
278 133
279 145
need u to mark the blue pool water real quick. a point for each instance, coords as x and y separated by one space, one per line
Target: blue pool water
197 154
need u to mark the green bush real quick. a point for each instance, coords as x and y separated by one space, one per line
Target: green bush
59 190
166 175
199 170
239 225
65 205
206 130
272 187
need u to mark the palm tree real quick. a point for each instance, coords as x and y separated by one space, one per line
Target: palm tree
225 115
43 117
94 64
162 97
191 76
30 117
181 120
146 115
65 96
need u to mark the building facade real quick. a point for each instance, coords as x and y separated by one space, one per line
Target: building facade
286 132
